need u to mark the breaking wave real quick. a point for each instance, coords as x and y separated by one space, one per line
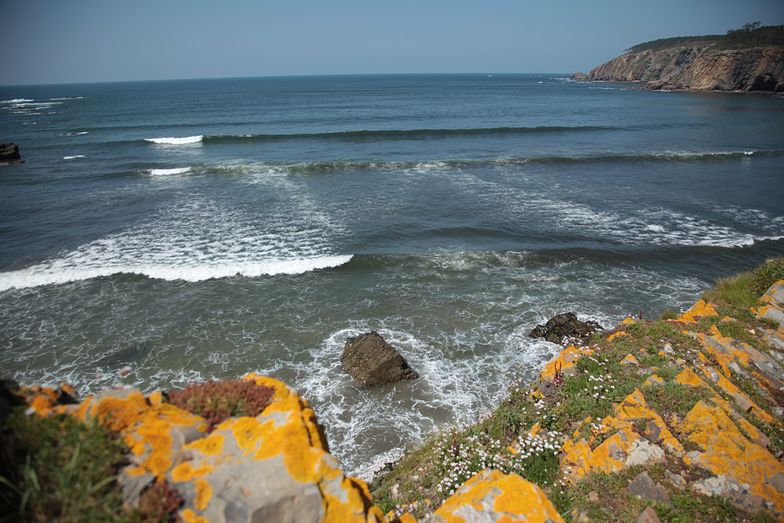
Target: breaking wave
175 141
167 172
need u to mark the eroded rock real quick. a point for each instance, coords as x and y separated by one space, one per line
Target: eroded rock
371 361
565 325
493 496
643 486
9 153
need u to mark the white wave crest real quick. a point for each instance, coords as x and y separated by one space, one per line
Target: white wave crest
74 157
175 141
167 172
16 101
68 98
52 275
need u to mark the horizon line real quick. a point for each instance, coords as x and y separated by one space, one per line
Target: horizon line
293 75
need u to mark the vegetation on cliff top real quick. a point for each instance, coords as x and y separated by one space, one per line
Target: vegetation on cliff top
574 405
750 35
635 392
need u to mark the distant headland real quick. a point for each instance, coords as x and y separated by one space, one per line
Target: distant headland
748 59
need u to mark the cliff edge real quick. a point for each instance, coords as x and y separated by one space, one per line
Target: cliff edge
745 60
677 419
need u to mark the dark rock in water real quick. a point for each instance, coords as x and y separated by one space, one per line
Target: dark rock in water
371 361
580 77
9 153
564 325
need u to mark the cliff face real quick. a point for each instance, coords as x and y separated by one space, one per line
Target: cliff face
698 67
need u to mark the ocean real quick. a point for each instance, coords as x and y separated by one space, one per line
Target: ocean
204 229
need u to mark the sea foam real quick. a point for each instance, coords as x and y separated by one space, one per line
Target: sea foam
53 275
175 141
167 172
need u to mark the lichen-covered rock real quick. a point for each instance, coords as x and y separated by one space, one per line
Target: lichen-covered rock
734 460
272 467
493 496
701 309
371 361
563 361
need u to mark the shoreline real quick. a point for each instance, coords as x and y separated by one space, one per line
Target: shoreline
673 418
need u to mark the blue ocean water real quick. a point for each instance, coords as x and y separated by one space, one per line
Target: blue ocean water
207 228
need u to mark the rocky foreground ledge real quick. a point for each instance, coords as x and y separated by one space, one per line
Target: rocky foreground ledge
678 419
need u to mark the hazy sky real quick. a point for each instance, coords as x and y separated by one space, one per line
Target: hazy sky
64 41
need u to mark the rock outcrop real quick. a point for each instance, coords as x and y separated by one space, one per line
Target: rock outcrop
676 411
9 153
272 467
493 496
565 325
698 68
371 361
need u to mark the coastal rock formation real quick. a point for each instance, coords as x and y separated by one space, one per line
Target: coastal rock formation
564 325
698 68
693 429
272 467
493 496
9 153
749 59
371 361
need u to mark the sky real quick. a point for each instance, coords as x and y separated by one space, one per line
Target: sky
74 41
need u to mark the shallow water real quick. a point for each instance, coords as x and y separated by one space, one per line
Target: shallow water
204 229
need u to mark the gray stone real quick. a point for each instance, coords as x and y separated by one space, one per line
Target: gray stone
776 481
371 361
648 516
643 486
677 480
643 452
133 486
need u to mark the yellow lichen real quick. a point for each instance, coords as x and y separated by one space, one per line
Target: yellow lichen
701 309
689 378
186 472
189 516
563 360
513 498
617 334
629 359
726 451
203 494
212 445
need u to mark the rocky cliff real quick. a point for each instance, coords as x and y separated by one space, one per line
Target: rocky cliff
678 419
691 63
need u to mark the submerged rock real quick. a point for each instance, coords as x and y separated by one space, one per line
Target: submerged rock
565 325
371 361
9 153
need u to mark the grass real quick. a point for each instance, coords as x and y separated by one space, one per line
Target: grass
60 469
674 398
734 296
64 471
